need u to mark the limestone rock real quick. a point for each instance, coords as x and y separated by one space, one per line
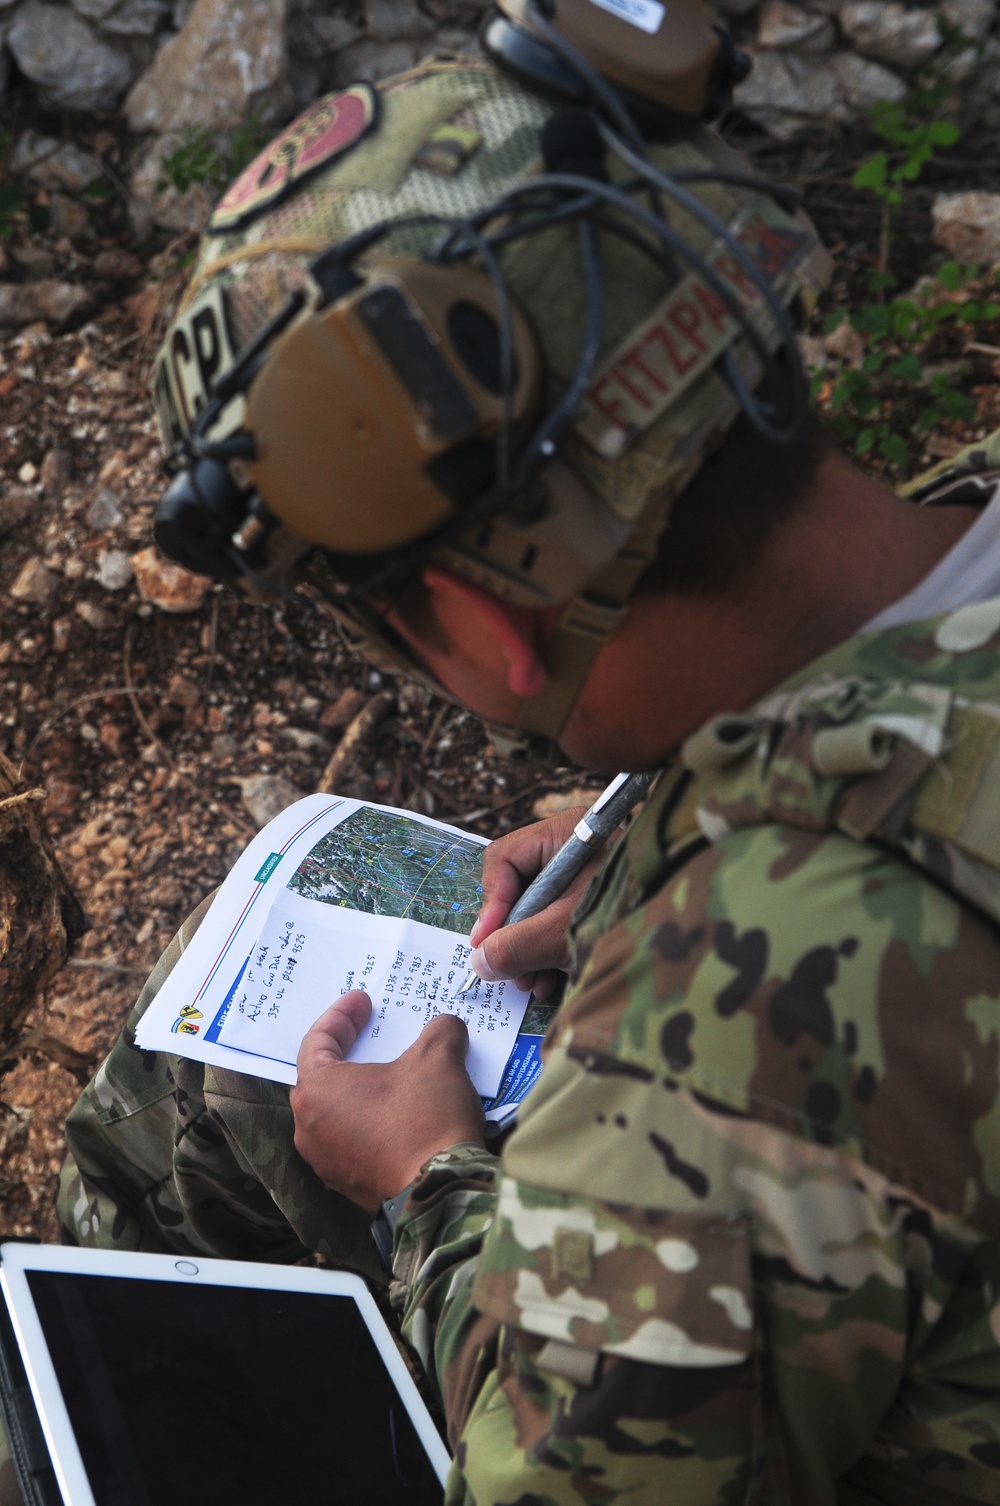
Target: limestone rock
904 36
73 68
967 226
785 25
114 569
785 94
106 512
166 585
228 61
267 795
52 164
34 583
26 302
973 18
863 84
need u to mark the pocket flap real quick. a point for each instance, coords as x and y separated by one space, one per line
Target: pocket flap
667 1288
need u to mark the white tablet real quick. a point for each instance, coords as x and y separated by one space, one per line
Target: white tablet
162 1379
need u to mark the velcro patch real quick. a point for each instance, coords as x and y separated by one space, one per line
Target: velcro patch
326 130
676 344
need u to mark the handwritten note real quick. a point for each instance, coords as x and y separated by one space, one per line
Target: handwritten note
308 954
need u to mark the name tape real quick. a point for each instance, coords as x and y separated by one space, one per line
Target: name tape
665 355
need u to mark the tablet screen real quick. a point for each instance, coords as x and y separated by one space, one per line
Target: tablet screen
227 1396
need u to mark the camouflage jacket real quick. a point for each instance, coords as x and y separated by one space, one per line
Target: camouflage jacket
744 1244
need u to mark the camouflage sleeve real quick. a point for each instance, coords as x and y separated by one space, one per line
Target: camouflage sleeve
739 1245
167 1154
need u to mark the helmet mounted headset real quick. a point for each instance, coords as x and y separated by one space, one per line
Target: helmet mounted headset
398 408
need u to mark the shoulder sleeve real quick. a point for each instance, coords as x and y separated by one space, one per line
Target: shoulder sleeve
712 1249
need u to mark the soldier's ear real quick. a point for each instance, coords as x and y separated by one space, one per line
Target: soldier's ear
489 629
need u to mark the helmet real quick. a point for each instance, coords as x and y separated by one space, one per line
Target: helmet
475 317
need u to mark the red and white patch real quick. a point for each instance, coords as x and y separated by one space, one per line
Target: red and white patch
326 130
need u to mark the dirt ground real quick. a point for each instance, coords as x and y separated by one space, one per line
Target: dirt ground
142 723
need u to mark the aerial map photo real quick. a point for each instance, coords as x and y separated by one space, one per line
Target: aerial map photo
386 864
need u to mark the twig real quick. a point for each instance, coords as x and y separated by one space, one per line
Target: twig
491 810
107 967
362 726
140 715
435 726
979 349
213 641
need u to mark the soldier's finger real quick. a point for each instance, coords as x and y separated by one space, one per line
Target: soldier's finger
335 1032
510 863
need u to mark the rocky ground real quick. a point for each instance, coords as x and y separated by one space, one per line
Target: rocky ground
159 711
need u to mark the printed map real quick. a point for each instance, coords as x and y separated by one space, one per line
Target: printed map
389 865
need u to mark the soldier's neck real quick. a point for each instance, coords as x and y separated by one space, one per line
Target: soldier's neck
840 560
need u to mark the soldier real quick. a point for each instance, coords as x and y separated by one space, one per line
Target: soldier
743 1243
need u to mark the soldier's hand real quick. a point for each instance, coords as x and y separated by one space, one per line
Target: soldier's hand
367 1128
533 951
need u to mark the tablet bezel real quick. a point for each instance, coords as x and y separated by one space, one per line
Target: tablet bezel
16 1260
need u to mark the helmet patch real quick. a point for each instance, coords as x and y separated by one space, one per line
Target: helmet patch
326 130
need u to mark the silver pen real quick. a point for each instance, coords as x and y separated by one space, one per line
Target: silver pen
590 832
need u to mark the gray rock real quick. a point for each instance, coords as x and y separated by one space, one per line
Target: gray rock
34 260
26 302
785 25
105 512
73 68
903 36
311 34
267 795
786 94
16 504
114 569
973 18
52 164
229 61
127 18
388 20
967 226
370 61
863 83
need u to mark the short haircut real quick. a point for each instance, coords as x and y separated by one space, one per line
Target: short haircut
725 516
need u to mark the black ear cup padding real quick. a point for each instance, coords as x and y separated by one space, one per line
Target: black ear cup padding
197 517
475 339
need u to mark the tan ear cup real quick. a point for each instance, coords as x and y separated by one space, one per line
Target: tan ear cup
376 417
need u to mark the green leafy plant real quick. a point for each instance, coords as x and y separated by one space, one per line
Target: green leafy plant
895 385
204 158
913 140
12 201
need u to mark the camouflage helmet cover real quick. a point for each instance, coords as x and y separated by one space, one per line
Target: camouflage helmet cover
449 139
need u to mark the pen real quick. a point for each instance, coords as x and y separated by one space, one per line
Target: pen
590 832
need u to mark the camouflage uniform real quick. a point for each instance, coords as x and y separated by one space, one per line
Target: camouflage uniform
167 1154
745 1241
